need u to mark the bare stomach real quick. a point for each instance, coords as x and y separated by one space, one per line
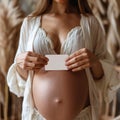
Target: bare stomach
60 95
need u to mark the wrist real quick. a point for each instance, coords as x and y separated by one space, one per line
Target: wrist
23 73
97 70
96 63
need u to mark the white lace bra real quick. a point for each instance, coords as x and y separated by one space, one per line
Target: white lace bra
42 44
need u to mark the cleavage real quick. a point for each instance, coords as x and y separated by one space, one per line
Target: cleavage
57 39
57 31
56 43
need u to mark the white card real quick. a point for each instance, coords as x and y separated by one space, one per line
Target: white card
56 62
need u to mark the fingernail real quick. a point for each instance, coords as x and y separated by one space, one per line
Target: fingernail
68 68
66 59
66 64
73 70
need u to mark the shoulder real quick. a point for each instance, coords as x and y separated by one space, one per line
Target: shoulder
91 19
93 22
31 21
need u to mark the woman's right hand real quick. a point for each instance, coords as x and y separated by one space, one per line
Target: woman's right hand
31 61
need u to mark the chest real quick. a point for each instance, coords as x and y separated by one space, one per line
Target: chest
45 41
44 44
58 29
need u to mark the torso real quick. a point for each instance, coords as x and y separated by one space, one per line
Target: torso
57 28
60 95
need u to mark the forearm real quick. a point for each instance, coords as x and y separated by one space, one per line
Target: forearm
23 73
97 70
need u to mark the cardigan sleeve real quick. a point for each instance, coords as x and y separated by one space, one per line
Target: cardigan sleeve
109 83
15 82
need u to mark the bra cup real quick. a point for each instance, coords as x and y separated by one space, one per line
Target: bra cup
42 44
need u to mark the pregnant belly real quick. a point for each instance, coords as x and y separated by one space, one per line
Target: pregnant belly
60 95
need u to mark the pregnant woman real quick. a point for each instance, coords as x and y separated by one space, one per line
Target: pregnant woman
60 27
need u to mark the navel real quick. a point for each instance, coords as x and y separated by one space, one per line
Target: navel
58 101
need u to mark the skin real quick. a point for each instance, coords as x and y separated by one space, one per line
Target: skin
58 98
84 59
29 61
79 60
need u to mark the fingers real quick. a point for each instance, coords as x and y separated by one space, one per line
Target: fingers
31 66
78 64
31 61
79 52
77 59
36 60
81 59
81 67
34 68
37 56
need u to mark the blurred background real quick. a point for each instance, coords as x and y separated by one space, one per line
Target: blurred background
12 13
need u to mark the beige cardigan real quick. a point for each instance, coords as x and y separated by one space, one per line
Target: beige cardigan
94 41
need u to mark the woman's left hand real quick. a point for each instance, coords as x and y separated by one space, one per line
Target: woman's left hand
80 60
